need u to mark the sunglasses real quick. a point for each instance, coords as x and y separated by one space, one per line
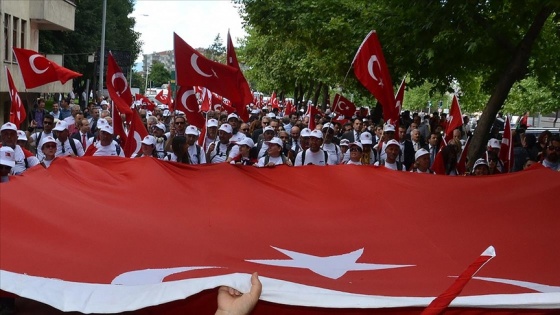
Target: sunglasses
50 146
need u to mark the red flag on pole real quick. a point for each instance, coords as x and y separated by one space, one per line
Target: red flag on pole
118 126
289 109
160 97
506 149
399 99
371 70
274 100
439 165
136 133
462 163
17 111
38 70
145 101
312 111
244 85
195 69
343 106
187 102
118 87
170 98
454 119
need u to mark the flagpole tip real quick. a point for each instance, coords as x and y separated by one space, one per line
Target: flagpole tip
490 251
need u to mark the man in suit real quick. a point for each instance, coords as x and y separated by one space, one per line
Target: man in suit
406 154
84 135
354 134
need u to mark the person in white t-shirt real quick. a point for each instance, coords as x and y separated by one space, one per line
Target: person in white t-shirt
356 149
422 162
147 148
274 154
392 150
106 146
66 146
344 146
196 153
222 150
48 147
328 145
23 158
234 121
315 155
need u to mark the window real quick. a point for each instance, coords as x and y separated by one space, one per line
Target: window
22 33
7 47
15 35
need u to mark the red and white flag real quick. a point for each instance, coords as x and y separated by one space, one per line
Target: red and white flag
187 102
454 119
37 70
145 101
136 133
241 108
195 69
462 163
118 87
119 130
371 70
289 108
506 148
274 100
343 106
17 110
439 165
162 98
312 111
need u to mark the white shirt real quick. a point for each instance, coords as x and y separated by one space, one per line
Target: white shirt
391 166
334 150
220 157
276 160
66 149
262 151
314 158
20 163
350 162
47 163
238 137
192 150
107 150
34 137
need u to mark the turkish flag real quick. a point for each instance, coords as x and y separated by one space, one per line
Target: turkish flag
506 148
371 70
160 97
118 87
195 69
462 163
274 100
38 70
394 258
289 109
244 85
187 102
312 111
118 125
399 98
17 110
439 165
343 106
136 133
454 119
145 101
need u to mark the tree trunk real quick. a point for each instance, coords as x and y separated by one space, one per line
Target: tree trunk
326 100
514 71
316 94
309 95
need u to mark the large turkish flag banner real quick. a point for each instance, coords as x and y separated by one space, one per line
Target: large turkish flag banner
127 249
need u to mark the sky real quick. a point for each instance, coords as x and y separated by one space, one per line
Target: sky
195 21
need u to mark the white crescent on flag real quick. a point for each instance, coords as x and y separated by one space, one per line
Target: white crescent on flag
194 65
373 60
34 67
184 99
119 75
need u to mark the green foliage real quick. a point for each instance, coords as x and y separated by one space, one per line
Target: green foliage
158 74
528 95
138 80
216 51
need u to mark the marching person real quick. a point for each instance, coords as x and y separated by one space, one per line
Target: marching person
315 155
392 150
355 149
274 154
23 158
422 162
48 146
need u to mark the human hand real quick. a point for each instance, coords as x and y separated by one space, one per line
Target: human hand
233 302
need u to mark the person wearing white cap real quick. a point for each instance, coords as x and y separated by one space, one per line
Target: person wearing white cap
66 146
245 157
494 145
344 146
422 162
369 156
315 155
388 134
221 150
7 162
356 150
22 139
23 158
480 168
106 146
234 121
147 148
274 154
160 140
48 147
328 145
177 128
211 133
392 150
262 147
35 138
196 153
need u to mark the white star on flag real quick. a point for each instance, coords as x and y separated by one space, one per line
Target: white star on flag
332 267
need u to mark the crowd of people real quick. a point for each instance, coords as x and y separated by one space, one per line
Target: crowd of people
267 139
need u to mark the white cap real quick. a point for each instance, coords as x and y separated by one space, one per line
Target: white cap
479 162
305 132
357 144
366 138
344 142
226 127
149 140
275 140
101 122
420 153
191 130
166 113
161 126
107 128
103 102
255 111
212 123
21 135
46 140
270 115
388 128
232 115
317 134
7 155
268 128
494 143
8 126
61 125
246 141
392 142
328 125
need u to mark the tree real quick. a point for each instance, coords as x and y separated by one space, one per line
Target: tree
138 80
216 51
158 74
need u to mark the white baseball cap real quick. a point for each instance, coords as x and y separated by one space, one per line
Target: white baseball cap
392 142
191 130
61 125
7 156
275 140
103 102
101 122
270 115
212 123
494 143
21 135
246 141
344 142
8 126
479 162
388 128
366 138
268 128
45 140
317 134
107 128
149 140
420 153
160 126
305 132
357 144
328 125
232 115
226 128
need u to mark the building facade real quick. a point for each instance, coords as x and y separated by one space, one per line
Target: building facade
167 58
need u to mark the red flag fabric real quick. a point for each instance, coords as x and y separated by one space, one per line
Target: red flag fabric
289 108
195 69
312 111
439 165
17 110
394 257
241 108
136 133
462 163
506 148
38 70
454 119
399 99
343 106
118 126
371 70
160 97
187 102
145 101
170 98
118 87
274 100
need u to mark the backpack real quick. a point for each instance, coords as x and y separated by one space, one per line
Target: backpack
267 159
303 157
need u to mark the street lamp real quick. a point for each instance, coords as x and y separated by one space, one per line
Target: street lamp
102 52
